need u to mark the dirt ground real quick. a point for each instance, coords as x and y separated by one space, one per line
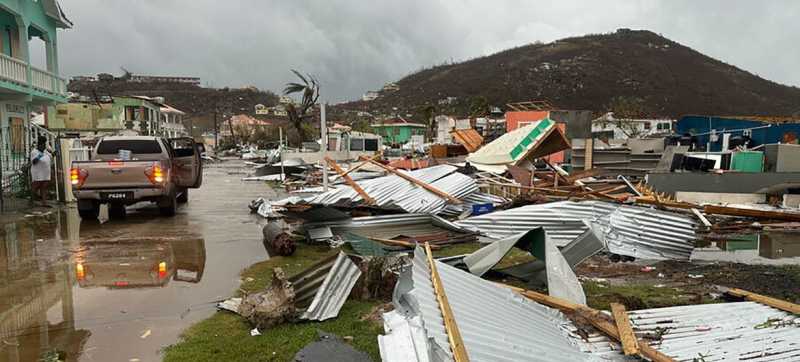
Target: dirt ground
668 283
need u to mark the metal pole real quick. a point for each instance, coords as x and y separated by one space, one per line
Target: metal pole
280 152
216 132
324 127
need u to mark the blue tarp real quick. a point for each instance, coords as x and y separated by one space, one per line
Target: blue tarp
775 133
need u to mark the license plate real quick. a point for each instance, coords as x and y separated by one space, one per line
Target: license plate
121 196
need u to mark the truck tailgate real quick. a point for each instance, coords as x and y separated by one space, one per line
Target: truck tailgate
115 174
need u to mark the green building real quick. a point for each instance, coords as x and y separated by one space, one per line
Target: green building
397 131
26 25
132 115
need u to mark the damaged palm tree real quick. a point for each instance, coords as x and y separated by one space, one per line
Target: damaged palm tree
299 113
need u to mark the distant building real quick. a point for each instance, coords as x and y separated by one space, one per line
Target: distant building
134 114
391 87
608 126
84 78
285 100
261 109
370 96
164 79
279 111
447 101
242 122
400 131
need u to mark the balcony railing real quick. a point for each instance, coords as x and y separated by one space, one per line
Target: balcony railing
16 71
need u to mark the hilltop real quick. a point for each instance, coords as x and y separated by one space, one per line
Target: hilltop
669 79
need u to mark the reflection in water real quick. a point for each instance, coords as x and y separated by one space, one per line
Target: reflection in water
33 286
44 256
769 248
139 263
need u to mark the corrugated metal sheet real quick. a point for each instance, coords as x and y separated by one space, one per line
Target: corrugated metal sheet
627 230
323 288
496 324
722 332
395 192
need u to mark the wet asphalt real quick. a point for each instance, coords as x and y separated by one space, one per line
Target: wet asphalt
123 289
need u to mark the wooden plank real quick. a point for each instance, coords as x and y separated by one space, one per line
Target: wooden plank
676 204
597 319
588 153
700 216
347 179
757 214
763 299
630 345
362 164
408 178
450 325
577 175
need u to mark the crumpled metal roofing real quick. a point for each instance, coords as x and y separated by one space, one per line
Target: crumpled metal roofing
626 230
395 192
496 324
722 332
324 287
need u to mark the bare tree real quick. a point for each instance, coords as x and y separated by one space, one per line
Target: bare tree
299 113
625 110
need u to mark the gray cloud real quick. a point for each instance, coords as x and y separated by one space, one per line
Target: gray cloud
353 46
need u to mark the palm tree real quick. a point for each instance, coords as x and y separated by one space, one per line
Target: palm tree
298 113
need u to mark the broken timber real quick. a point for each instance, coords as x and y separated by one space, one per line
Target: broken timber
453 334
350 182
630 344
419 183
597 319
772 302
757 214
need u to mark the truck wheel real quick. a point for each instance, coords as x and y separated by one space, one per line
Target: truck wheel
183 197
116 211
88 209
168 205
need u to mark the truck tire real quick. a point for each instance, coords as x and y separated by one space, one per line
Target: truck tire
88 209
168 206
183 197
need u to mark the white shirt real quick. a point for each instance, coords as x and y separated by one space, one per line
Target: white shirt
41 170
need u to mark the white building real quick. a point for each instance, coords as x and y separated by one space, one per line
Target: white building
612 127
370 96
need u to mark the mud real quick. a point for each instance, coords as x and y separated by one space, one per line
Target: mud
122 289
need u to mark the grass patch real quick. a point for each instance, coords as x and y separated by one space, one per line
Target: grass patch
226 336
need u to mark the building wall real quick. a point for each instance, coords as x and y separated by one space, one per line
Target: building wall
578 123
760 133
397 134
514 118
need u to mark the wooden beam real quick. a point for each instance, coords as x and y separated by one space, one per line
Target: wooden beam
757 214
676 204
763 299
702 217
597 319
349 181
453 334
588 154
629 343
360 165
419 183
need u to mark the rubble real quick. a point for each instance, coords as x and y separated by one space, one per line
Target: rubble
271 307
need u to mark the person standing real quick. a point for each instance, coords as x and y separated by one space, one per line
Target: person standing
41 164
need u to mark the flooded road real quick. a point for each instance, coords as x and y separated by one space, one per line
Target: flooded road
121 290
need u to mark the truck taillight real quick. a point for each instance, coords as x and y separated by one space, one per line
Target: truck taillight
79 272
155 173
162 269
77 176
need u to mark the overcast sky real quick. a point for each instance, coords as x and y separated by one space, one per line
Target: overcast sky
354 46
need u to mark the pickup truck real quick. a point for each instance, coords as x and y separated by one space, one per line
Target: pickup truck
125 170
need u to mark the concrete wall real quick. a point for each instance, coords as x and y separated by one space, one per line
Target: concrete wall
579 123
720 198
318 157
747 183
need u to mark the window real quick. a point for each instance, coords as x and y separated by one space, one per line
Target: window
647 125
356 144
370 144
112 147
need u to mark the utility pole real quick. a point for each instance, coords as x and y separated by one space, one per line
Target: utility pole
324 146
280 152
216 131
